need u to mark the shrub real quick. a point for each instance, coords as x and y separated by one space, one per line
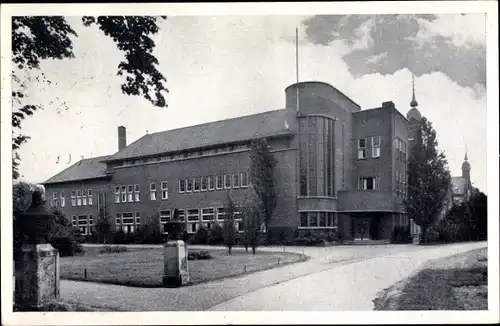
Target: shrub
199 255
431 236
401 234
112 249
215 235
201 236
66 245
334 236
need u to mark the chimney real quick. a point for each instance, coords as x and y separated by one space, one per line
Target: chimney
122 138
388 104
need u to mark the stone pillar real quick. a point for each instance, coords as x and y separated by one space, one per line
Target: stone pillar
37 276
175 263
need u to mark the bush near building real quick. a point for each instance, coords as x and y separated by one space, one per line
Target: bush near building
401 234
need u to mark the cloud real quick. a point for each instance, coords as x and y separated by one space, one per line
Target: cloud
388 43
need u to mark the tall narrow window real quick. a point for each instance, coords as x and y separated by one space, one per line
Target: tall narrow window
196 182
204 181
189 183
313 219
84 197
211 182
361 149
124 194
182 186
236 180
244 179
90 199
376 146
164 190
118 221
78 197
137 193
63 200
219 182
137 218
117 195
130 193
73 221
303 219
227 181
73 198
152 191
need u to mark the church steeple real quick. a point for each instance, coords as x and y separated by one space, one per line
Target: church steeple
466 167
413 102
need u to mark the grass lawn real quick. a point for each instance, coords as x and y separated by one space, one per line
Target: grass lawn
144 267
453 283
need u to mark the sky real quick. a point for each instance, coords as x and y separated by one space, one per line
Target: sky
219 67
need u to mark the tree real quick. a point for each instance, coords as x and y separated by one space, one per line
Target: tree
251 222
150 232
478 209
21 197
36 38
262 169
428 179
103 226
229 224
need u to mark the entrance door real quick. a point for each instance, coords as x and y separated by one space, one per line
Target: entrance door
361 229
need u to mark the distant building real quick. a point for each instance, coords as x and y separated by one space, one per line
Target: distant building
339 168
461 186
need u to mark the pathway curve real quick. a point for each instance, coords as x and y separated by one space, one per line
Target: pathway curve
330 270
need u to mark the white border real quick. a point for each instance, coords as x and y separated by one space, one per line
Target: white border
310 8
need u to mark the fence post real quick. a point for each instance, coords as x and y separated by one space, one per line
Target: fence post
85 272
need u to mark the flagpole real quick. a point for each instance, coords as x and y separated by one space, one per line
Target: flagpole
297 64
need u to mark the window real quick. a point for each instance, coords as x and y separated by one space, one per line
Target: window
219 183
130 193
181 214
204 181
73 220
367 183
90 197
137 193
152 191
361 149
124 194
313 219
164 190
63 201
182 186
78 198
54 199
303 219
227 181
73 198
221 213
192 227
128 218
164 218
397 181
211 182
117 195
208 214
196 182
236 180
244 180
189 185
137 218
84 197
118 221
375 146
193 214
322 218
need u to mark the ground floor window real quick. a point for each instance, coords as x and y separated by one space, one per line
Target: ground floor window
192 227
318 219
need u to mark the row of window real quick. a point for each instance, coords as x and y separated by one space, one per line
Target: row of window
130 194
214 182
318 219
363 147
79 197
127 222
185 154
85 223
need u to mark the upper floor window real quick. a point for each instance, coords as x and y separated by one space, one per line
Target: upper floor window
117 195
376 146
124 194
84 197
236 180
164 190
211 183
196 182
204 182
219 183
368 183
244 180
130 193
182 186
227 181
90 199
152 191
189 187
361 148
78 197
55 196
73 198
137 193
63 201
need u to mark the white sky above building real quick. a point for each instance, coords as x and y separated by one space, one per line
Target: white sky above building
226 66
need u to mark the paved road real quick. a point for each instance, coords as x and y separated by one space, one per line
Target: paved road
335 278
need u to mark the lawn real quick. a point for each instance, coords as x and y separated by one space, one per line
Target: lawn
144 267
453 283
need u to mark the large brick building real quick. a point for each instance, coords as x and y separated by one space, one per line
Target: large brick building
339 167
